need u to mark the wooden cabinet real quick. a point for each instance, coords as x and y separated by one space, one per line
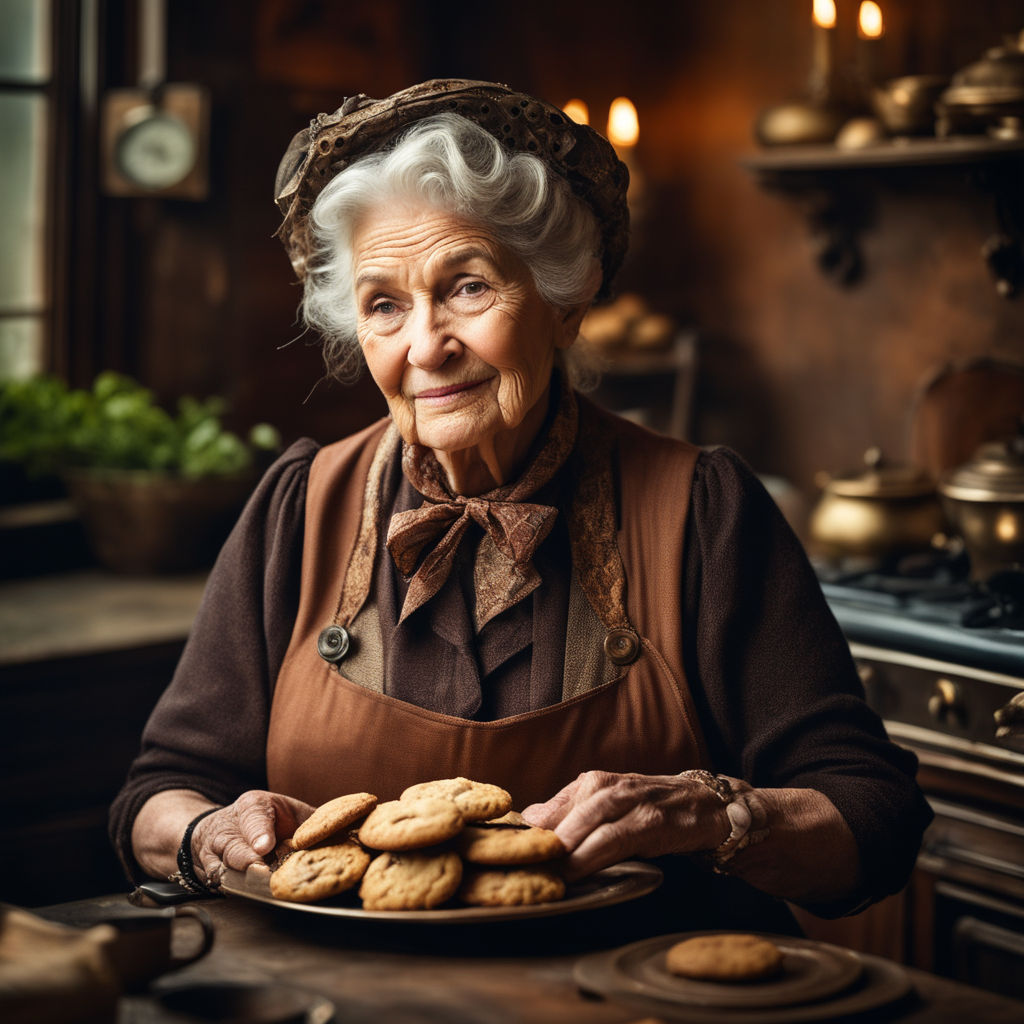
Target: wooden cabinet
85 657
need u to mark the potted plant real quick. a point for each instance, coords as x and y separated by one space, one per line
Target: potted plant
156 491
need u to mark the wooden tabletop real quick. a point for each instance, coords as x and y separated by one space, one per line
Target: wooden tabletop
522 971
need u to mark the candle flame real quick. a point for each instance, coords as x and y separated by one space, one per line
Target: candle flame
869 20
623 123
825 13
578 111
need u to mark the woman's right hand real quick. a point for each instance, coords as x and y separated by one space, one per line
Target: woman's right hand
245 832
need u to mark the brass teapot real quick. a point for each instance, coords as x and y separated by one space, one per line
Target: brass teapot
883 511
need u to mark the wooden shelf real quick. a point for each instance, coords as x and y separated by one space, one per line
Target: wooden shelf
907 153
838 188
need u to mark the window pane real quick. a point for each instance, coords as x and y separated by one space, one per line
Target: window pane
21 346
22 209
25 40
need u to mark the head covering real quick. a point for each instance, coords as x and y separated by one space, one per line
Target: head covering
362 125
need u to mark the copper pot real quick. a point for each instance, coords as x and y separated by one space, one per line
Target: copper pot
883 511
984 499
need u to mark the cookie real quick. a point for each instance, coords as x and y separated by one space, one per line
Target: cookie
411 824
513 818
476 801
488 844
514 887
416 880
310 875
724 957
281 853
333 817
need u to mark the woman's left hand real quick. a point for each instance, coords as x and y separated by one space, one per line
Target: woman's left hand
604 818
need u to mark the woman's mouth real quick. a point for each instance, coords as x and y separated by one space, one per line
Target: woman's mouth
447 390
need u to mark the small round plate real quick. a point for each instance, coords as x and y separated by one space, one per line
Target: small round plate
818 982
617 884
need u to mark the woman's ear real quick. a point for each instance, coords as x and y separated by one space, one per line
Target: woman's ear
572 318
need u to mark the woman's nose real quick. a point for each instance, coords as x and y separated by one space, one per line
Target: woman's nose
432 342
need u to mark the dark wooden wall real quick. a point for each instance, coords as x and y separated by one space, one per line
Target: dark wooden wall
797 372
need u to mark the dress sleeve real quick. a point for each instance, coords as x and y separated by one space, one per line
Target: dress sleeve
208 730
777 689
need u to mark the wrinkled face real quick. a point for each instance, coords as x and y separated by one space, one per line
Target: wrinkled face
452 328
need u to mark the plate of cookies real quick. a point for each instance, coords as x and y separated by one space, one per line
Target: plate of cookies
729 976
446 851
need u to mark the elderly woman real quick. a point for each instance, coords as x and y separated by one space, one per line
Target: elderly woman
500 580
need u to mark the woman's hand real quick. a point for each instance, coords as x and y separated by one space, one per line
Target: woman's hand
245 832
603 818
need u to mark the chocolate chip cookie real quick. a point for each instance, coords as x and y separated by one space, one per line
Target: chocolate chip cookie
476 801
411 824
333 817
489 844
510 887
317 874
414 880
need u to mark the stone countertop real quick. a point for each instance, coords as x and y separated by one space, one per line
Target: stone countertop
92 612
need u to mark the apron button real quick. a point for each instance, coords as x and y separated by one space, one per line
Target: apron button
332 644
622 646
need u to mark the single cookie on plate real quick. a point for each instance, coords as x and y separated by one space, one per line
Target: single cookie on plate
510 887
489 844
310 875
333 817
411 824
476 801
724 957
413 880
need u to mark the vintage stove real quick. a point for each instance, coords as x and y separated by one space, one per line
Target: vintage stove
939 655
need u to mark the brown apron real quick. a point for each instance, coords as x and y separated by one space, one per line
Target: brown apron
329 735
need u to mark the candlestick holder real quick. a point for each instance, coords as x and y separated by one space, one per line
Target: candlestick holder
817 116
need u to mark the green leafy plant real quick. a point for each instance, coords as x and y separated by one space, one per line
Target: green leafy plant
48 427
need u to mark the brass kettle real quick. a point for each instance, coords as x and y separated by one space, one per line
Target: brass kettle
986 95
883 511
984 500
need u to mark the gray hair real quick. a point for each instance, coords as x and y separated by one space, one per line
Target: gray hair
454 164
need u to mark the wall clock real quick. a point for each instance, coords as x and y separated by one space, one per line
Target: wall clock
156 143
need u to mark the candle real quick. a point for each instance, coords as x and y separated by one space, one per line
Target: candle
623 124
824 16
578 111
623 131
870 28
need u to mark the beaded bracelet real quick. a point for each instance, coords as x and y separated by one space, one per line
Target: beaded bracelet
186 876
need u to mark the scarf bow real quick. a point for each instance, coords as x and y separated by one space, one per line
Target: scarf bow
515 529
424 541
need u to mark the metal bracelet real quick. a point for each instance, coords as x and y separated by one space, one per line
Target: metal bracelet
718 784
748 818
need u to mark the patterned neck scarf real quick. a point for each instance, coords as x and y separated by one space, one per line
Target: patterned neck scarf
423 542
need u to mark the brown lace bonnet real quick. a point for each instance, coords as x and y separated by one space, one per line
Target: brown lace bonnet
362 125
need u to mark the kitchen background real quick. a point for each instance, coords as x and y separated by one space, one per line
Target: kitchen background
805 356
798 372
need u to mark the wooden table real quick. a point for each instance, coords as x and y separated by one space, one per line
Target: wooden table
391 973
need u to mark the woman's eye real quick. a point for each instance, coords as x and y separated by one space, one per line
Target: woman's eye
383 306
472 288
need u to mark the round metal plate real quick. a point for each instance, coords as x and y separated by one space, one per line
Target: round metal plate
617 884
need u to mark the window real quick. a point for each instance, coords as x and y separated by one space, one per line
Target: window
26 169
